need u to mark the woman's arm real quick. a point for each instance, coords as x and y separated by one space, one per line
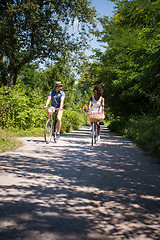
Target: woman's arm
90 103
102 103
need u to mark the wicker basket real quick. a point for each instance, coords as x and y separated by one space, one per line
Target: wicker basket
93 117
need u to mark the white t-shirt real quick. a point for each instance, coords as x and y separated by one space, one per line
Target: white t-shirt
96 105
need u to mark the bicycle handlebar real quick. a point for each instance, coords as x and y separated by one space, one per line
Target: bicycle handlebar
54 109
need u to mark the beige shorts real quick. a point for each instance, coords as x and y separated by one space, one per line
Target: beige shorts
59 112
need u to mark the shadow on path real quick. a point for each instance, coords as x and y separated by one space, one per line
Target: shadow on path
72 190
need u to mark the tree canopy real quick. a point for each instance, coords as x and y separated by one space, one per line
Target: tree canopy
39 29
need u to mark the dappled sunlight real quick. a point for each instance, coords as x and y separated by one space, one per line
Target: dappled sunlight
73 189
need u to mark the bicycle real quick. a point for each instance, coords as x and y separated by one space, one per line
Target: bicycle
94 118
51 128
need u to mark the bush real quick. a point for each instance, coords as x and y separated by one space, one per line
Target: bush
117 125
22 108
71 120
145 131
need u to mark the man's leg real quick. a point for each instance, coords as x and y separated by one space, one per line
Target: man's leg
58 125
50 111
59 122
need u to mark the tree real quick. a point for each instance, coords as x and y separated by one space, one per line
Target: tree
129 68
39 29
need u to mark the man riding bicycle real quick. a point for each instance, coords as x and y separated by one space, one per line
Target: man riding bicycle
56 97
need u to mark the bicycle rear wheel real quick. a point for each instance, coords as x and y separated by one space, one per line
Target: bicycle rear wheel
48 131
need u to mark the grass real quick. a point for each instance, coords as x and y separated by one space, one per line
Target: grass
7 142
32 132
8 136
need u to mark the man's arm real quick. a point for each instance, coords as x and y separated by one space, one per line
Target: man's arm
48 101
62 102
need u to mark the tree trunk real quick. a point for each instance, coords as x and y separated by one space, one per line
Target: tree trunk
13 77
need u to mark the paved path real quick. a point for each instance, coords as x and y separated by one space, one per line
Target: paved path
73 191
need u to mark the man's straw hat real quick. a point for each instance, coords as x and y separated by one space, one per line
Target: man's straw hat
58 84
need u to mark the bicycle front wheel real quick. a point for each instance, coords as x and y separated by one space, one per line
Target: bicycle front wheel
93 131
48 131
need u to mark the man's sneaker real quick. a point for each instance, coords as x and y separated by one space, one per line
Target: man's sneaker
58 135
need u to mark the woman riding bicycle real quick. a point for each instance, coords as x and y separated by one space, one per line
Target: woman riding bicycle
96 104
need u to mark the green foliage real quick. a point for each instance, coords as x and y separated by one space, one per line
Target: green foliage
117 125
29 76
21 108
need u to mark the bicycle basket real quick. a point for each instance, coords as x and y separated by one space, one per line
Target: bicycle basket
95 117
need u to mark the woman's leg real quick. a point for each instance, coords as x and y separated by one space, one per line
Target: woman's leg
98 128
